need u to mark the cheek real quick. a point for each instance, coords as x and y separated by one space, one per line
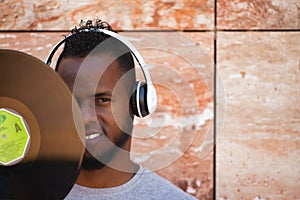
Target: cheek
122 116
104 114
107 120
115 118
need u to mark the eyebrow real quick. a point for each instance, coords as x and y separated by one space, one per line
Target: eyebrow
102 94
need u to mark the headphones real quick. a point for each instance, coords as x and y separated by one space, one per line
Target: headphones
143 100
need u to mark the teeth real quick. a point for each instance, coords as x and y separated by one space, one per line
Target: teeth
90 137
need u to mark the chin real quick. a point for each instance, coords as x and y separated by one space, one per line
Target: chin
97 161
90 163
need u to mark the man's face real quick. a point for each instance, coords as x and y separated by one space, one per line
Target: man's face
103 100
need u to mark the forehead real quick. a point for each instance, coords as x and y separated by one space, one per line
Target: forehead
92 72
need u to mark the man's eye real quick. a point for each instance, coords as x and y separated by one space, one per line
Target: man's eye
102 100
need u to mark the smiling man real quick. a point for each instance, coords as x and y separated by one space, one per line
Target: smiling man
99 70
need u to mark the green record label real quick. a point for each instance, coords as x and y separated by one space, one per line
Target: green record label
14 137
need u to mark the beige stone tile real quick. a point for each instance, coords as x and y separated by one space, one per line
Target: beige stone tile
258 151
261 14
35 44
177 140
173 58
125 14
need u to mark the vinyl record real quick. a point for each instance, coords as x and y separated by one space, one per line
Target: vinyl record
41 130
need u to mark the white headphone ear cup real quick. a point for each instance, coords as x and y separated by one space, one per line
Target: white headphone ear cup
151 98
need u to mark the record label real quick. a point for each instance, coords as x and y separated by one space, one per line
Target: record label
14 138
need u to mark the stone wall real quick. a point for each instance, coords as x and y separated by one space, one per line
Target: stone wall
254 115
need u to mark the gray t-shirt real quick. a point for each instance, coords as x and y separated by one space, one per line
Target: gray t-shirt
144 185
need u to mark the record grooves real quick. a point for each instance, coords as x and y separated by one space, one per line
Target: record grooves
41 130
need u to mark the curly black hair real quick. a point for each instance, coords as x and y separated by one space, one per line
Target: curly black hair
85 38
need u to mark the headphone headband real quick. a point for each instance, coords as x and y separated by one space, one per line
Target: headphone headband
122 39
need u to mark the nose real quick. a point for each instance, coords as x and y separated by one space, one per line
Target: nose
88 112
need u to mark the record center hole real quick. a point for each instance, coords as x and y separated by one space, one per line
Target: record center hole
4 136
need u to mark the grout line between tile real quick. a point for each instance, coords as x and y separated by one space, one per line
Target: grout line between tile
166 31
215 101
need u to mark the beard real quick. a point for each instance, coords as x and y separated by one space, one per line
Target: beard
91 163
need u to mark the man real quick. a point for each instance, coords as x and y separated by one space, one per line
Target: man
99 70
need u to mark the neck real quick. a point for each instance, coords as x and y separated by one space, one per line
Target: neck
120 170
